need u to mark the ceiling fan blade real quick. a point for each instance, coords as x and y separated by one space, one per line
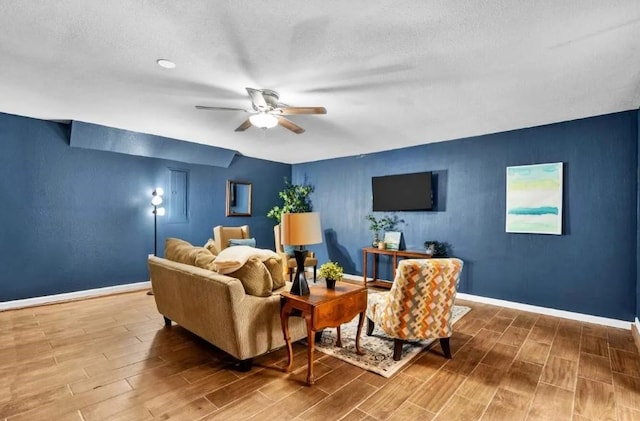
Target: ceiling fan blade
259 103
302 110
204 107
288 124
244 126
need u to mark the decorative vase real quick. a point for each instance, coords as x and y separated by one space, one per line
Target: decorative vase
376 240
331 283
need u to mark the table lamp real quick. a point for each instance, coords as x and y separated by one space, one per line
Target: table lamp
300 229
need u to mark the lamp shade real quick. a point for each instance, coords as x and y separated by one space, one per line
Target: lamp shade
301 229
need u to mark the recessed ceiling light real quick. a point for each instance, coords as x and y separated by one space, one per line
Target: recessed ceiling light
167 64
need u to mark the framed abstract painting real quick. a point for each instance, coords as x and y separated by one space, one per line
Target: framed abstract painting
534 199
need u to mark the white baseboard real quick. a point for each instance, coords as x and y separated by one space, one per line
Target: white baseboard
548 311
70 296
97 292
537 309
635 332
352 277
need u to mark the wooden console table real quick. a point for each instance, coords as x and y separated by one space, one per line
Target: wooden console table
395 254
322 308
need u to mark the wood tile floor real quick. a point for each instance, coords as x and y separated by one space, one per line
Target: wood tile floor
111 358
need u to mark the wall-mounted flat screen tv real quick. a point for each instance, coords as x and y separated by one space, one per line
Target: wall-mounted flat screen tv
402 192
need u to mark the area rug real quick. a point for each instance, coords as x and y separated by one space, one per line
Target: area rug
378 347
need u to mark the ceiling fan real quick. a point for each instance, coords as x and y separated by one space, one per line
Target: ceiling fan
267 112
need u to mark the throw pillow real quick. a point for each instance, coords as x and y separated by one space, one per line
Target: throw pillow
211 246
178 250
274 266
255 278
251 242
232 258
203 258
184 252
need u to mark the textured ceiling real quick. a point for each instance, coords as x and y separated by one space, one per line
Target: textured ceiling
390 73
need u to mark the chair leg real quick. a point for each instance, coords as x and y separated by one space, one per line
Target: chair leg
446 349
314 274
397 349
370 326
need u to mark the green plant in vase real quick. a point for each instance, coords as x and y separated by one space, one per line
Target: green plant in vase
384 223
295 199
331 272
437 248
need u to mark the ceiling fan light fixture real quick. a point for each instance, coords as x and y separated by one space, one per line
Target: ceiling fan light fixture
263 120
167 64
266 112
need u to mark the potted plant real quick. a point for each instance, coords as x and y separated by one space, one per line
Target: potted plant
296 200
437 248
331 272
384 223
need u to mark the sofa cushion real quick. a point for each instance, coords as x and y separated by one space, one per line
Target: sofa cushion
274 266
178 250
255 277
251 242
233 258
184 252
204 258
211 246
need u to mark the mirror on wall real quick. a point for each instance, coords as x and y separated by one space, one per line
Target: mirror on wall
238 198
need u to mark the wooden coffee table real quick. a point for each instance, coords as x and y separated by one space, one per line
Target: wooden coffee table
323 308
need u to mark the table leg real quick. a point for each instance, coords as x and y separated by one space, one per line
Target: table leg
311 341
375 267
284 317
360 323
395 266
364 267
339 339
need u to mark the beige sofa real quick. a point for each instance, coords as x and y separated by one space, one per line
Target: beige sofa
216 308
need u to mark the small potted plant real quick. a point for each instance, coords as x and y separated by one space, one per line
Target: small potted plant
331 272
437 248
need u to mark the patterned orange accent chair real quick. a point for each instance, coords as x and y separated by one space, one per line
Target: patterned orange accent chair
419 304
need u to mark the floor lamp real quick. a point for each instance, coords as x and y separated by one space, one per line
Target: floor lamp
300 229
156 201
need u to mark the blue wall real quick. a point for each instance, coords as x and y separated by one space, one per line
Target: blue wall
590 269
75 219
109 139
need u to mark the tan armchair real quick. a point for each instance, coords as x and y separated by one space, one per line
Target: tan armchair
289 262
222 235
419 304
